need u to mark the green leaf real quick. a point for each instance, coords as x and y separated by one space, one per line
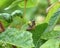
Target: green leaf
18 22
57 28
52 43
17 13
53 21
52 10
24 27
53 1
4 45
13 4
30 3
6 17
43 2
5 3
51 35
16 37
20 3
5 23
52 17
37 32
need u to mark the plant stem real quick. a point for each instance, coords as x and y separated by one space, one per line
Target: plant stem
25 3
48 2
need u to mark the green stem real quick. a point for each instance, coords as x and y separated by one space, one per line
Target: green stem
25 3
48 2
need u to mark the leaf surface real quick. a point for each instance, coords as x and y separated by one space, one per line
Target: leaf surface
18 38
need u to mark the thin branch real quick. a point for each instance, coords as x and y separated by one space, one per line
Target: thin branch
48 2
25 3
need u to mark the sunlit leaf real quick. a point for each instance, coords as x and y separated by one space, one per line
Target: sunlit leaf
52 17
37 32
30 3
52 43
4 45
18 22
53 1
51 35
18 38
52 10
5 3
5 23
57 28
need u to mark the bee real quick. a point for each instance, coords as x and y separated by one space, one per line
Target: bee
31 26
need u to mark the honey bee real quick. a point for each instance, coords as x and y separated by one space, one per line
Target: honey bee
31 26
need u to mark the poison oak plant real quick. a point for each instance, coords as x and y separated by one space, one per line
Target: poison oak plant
18 29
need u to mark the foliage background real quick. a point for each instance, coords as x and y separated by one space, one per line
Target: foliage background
30 24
